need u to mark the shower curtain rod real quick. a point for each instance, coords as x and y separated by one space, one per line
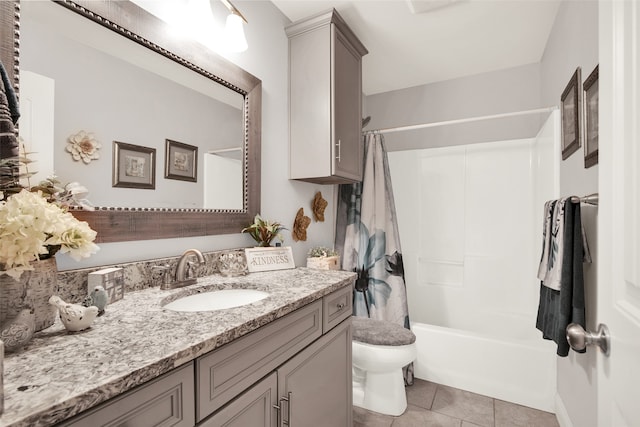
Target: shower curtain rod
456 121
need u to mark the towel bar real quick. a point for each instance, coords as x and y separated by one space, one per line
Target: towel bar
591 199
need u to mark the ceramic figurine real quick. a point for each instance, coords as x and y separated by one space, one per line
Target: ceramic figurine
87 301
18 331
74 317
99 298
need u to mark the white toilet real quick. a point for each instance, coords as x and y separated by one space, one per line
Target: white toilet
380 351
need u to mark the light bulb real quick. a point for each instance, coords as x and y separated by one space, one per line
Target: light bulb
235 41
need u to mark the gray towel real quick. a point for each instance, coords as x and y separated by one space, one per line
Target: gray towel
8 110
558 308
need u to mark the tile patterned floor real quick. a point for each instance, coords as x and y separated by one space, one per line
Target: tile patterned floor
434 405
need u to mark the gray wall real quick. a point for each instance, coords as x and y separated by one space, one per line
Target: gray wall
267 59
503 91
574 42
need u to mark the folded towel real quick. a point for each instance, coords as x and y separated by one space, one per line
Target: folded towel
552 258
550 271
560 307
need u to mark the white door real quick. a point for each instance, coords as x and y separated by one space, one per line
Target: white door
619 212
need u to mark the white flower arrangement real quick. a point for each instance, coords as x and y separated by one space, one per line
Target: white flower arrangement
31 228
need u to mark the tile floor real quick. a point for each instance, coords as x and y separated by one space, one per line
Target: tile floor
435 405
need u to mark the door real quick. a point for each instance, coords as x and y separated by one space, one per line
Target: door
347 99
314 387
254 407
619 212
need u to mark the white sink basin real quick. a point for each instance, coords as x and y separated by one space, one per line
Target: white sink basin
216 300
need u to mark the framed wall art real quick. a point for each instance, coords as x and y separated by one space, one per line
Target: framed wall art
590 88
181 161
134 166
571 106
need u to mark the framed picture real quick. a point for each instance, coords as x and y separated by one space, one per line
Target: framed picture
134 166
181 161
571 100
591 119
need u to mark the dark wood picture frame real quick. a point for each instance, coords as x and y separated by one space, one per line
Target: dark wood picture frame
134 166
591 100
571 107
181 161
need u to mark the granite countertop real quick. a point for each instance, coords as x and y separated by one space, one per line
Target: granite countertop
60 374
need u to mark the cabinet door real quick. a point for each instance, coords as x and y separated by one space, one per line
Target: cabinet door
166 401
347 108
254 408
317 382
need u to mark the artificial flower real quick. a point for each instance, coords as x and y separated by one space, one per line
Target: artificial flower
31 228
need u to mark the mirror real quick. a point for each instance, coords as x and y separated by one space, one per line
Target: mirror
205 80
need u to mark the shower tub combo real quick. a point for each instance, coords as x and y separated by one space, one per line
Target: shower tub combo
470 222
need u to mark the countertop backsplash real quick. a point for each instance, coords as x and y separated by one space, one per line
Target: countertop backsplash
138 275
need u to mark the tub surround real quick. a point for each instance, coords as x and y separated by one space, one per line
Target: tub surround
59 374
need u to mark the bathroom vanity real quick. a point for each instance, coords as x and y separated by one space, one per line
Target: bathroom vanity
284 359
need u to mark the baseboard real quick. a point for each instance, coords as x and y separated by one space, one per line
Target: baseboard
561 413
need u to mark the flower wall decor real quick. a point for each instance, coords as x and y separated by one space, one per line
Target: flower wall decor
83 146
300 225
318 205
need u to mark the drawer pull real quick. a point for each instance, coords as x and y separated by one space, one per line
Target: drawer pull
341 306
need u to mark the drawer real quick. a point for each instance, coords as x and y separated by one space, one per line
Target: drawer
166 400
226 372
336 307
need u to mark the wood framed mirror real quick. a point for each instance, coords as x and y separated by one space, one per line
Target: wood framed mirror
129 21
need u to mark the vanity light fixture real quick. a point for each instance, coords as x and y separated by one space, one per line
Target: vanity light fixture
235 39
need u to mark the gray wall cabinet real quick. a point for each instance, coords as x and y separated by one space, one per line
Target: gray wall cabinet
325 100
295 370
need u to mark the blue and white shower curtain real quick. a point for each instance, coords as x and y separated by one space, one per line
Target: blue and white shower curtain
368 239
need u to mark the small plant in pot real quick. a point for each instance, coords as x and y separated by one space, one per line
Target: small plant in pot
323 258
264 231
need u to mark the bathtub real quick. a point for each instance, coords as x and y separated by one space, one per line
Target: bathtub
517 367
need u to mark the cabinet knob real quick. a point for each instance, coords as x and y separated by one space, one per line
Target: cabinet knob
341 306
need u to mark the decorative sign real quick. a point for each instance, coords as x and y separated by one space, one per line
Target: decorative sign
267 259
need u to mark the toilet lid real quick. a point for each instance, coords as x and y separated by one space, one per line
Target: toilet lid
377 332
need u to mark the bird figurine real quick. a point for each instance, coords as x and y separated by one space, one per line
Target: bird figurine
18 331
99 298
74 317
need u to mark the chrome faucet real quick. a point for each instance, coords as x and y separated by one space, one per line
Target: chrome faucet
182 270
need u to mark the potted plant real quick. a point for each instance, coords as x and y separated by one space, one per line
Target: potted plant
264 231
323 258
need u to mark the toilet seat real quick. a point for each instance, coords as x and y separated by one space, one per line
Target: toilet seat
378 332
379 351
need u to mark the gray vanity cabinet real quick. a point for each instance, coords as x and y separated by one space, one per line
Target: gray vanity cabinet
312 389
165 401
325 100
295 370
315 387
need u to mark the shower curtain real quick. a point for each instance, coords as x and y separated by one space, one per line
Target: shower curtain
368 239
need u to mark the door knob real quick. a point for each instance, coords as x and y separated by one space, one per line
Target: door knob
579 339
